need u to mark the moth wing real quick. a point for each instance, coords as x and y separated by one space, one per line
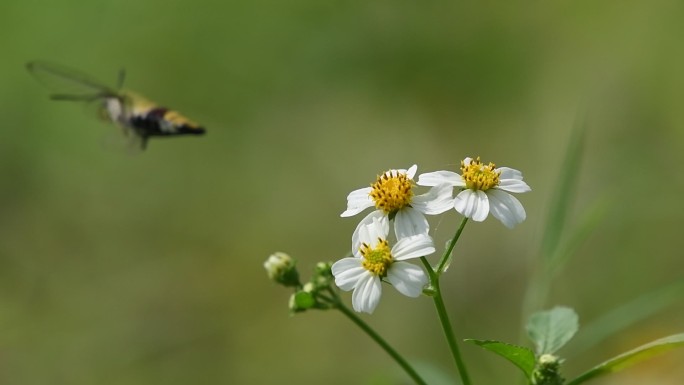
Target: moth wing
66 82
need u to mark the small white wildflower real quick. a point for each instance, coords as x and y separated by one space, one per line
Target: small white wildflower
374 261
485 189
393 197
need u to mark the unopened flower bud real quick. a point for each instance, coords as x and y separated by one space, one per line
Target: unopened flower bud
309 287
281 268
322 276
548 360
547 371
301 301
324 268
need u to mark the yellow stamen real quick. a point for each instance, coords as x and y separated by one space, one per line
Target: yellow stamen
392 191
477 176
377 260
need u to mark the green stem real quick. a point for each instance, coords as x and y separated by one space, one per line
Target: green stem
446 325
451 339
447 253
383 344
439 303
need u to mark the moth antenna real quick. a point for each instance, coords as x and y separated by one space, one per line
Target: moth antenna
67 97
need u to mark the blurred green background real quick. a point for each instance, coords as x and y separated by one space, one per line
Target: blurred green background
147 269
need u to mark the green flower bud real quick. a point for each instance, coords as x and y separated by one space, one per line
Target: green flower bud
547 371
322 277
324 269
301 301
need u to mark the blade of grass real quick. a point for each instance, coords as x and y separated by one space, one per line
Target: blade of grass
591 218
631 357
540 282
626 315
565 190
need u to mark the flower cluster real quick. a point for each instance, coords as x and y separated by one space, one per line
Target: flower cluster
380 255
483 189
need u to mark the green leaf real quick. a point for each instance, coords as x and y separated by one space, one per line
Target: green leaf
520 356
551 329
632 357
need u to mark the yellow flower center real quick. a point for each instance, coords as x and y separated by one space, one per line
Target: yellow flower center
477 176
377 260
392 191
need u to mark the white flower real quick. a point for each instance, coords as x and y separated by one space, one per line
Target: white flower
392 195
374 262
485 189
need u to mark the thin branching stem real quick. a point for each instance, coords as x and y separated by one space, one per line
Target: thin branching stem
445 257
383 344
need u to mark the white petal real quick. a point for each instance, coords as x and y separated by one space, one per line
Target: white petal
410 221
408 279
511 180
395 172
361 233
412 171
467 161
357 201
347 272
436 201
509 173
513 185
413 247
367 294
506 208
472 204
377 230
439 177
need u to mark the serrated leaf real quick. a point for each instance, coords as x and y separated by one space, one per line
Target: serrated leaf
632 357
551 329
520 356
